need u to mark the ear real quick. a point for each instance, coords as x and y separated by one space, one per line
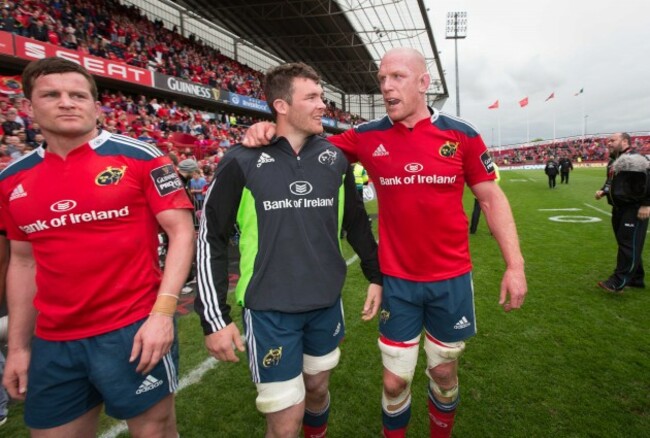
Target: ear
26 106
281 106
98 110
425 80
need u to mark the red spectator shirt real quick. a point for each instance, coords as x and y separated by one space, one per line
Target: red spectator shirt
419 176
91 220
53 37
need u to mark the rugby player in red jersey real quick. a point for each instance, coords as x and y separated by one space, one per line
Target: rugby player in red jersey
92 316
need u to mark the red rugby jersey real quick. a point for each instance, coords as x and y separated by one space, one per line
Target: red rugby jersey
91 221
419 175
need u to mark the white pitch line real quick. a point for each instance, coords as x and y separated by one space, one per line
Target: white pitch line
193 377
606 212
599 209
351 260
560 209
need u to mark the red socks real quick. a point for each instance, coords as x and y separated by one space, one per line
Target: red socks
314 432
440 423
397 433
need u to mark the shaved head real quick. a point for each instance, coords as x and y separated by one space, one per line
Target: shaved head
408 56
404 81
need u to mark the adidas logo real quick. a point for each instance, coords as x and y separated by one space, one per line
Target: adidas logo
19 192
265 158
148 384
462 323
380 151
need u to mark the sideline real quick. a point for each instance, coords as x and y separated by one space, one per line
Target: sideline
193 377
351 260
608 213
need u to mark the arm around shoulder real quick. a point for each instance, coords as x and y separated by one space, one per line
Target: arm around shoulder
259 134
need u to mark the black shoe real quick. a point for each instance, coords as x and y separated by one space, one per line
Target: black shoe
609 286
636 284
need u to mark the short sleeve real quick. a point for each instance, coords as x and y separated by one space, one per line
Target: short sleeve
478 162
163 187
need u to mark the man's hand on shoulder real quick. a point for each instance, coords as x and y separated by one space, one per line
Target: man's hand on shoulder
259 134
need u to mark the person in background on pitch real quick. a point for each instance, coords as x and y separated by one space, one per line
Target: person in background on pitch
629 219
551 170
566 166
420 160
287 200
476 212
91 318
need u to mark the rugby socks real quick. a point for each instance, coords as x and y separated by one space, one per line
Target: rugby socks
441 416
314 424
397 433
395 423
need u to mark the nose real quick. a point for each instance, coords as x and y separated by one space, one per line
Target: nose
65 100
385 85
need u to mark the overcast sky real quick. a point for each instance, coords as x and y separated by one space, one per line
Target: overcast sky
516 49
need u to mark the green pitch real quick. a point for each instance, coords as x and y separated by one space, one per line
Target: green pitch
574 362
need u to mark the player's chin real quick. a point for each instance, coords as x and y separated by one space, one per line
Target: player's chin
394 113
73 130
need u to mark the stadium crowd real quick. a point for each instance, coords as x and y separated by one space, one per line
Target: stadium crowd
578 150
185 132
124 34
178 130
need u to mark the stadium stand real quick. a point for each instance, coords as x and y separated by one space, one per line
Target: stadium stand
179 130
591 149
123 33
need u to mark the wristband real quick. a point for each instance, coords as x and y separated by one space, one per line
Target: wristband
165 304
